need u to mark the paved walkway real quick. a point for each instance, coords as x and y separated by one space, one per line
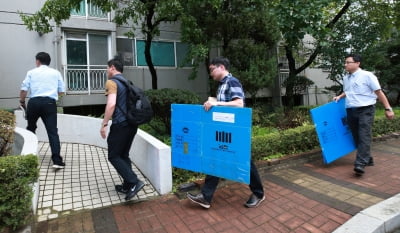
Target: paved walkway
301 196
87 182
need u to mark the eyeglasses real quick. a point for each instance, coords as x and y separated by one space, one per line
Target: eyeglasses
349 62
212 69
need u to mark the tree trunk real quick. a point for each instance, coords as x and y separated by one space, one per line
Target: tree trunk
149 62
293 72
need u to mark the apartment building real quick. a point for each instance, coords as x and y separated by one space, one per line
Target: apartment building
81 46
80 49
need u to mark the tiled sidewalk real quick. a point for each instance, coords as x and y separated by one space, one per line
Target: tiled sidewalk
303 197
86 182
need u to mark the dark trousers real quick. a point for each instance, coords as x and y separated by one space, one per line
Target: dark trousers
46 109
211 183
119 143
360 121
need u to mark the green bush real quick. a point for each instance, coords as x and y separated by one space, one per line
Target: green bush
7 126
17 174
281 118
162 99
284 142
304 138
384 126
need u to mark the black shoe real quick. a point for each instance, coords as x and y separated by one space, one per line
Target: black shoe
134 190
371 162
120 188
199 199
254 201
59 165
359 169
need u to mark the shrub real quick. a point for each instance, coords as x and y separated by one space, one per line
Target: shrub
281 118
384 126
284 142
17 173
162 99
304 138
7 125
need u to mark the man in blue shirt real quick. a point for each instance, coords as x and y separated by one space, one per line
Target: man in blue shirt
361 89
229 93
44 85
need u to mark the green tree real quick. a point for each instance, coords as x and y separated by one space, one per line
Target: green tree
253 64
243 30
297 19
145 14
366 29
384 60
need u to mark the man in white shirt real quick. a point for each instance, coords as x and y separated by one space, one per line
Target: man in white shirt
44 85
361 89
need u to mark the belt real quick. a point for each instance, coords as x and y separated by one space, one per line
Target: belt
363 107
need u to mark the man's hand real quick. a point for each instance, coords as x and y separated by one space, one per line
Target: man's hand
103 131
208 105
389 114
336 98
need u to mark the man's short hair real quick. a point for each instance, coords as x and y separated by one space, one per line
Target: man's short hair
43 58
356 57
117 63
221 61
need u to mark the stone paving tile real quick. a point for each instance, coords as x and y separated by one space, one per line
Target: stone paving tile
86 182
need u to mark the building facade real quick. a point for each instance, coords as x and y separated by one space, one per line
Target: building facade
81 47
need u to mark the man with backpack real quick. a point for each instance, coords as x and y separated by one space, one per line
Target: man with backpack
121 133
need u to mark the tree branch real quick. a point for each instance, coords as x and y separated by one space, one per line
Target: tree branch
319 47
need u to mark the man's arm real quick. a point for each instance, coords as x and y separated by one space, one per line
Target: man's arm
238 102
110 107
337 98
22 96
382 98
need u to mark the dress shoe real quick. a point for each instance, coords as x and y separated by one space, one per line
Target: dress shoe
359 169
254 201
134 190
120 188
371 162
199 199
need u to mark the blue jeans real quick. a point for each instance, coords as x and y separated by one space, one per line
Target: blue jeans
360 121
119 142
46 109
211 183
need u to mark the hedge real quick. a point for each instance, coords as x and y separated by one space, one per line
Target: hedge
304 138
17 174
7 125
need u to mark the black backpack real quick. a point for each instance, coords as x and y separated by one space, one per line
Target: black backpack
139 109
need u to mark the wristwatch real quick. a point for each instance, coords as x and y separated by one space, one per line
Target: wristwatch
388 110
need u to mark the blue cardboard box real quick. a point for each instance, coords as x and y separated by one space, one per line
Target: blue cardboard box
215 142
333 132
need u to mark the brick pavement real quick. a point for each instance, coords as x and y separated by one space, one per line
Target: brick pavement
303 197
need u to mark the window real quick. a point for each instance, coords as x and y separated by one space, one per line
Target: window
182 50
162 53
88 10
86 56
126 52
167 54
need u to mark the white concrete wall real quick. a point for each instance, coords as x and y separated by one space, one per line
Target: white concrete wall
25 142
151 156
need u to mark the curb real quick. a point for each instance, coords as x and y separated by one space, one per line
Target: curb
382 217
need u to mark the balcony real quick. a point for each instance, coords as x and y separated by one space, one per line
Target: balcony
83 79
88 10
